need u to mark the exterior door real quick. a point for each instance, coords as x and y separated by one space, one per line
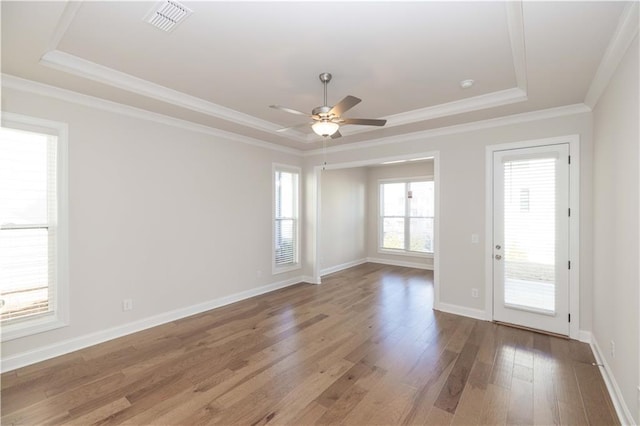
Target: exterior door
531 237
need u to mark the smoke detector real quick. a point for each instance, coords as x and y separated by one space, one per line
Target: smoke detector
167 14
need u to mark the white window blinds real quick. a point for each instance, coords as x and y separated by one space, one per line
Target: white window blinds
28 216
285 218
530 233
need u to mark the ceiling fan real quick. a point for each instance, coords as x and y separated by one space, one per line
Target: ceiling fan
326 119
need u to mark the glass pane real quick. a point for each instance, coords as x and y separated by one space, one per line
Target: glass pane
421 235
24 263
285 248
530 234
286 187
421 199
23 177
393 199
393 233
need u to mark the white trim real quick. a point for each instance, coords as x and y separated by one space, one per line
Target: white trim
624 34
29 86
406 253
278 167
475 103
309 279
584 336
400 263
461 310
574 224
75 65
380 217
60 315
60 348
624 414
341 267
67 17
524 117
515 22
316 221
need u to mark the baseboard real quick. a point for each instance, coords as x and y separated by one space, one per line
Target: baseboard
624 415
584 336
400 263
66 346
461 310
337 268
309 279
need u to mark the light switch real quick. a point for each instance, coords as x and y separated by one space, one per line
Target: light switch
475 238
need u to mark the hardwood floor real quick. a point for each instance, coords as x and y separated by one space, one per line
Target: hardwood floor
364 348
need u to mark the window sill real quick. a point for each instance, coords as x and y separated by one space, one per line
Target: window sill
30 327
282 269
405 253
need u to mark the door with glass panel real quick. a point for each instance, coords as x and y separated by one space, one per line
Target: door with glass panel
531 237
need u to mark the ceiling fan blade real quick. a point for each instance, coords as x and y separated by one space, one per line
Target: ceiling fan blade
336 135
344 105
364 121
289 110
284 129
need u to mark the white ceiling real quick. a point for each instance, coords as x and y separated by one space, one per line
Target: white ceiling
227 62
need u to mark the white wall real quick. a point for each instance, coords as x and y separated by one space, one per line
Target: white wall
462 199
343 214
391 171
166 216
616 227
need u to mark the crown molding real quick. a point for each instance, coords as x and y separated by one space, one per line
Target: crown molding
29 86
75 65
625 33
81 67
475 103
459 128
67 17
515 23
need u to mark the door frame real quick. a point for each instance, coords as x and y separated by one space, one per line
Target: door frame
574 223
316 221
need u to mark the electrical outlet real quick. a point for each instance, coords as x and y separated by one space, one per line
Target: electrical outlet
474 293
612 346
475 238
127 304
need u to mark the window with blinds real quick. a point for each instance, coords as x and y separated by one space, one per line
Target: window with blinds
406 216
285 231
29 232
530 233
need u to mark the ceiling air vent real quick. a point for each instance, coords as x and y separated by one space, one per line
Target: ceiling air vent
167 14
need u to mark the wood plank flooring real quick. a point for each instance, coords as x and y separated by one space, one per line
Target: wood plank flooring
364 348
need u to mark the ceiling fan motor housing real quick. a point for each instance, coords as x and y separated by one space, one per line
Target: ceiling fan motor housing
322 111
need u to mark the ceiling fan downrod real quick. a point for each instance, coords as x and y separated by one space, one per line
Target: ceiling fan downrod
325 78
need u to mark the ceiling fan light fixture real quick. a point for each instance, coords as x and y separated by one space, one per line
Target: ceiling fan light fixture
325 128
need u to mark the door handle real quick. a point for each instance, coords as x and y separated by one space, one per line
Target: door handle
498 257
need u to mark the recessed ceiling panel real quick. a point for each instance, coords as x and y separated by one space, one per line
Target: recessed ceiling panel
248 55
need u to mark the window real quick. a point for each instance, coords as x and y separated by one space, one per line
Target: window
33 226
285 218
406 217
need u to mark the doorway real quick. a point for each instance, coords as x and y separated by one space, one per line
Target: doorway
318 235
531 236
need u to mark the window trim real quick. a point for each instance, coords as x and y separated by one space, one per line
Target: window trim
60 315
276 167
399 252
